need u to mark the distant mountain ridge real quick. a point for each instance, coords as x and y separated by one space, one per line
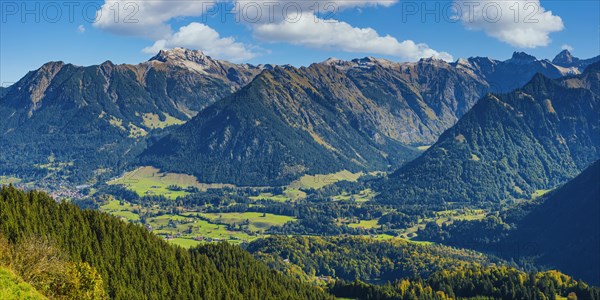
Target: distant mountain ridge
506 147
505 76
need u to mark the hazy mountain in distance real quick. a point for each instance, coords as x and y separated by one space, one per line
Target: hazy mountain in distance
505 76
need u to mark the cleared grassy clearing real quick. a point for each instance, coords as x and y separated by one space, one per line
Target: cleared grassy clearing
153 121
366 224
319 181
115 208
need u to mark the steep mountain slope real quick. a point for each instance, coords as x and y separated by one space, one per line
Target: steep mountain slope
134 263
336 115
88 119
507 146
564 231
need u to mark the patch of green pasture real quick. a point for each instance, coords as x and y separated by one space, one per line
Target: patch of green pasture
256 220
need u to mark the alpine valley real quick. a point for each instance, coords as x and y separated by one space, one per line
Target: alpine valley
188 177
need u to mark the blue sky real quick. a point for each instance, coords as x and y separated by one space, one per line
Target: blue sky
91 32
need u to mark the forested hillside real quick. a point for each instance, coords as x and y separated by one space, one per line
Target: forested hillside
135 264
507 147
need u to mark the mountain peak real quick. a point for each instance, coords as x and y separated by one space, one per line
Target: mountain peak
523 57
564 58
179 54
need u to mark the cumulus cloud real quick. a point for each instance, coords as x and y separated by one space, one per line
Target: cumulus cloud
149 19
305 23
520 23
336 35
146 18
199 36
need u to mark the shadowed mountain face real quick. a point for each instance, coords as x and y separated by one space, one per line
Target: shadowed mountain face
507 146
90 119
564 231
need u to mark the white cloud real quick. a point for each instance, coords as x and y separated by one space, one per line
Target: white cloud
336 35
520 23
81 29
289 21
146 18
275 11
567 47
149 19
199 36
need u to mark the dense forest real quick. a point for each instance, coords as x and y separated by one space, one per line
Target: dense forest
135 264
359 258
474 282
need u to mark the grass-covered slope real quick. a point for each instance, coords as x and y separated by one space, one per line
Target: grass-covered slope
14 288
135 264
508 146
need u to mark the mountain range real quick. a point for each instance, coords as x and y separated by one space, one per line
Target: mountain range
274 124
357 115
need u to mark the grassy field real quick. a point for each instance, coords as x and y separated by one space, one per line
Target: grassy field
319 181
150 181
153 121
293 190
184 230
366 224
13 288
124 211
257 221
